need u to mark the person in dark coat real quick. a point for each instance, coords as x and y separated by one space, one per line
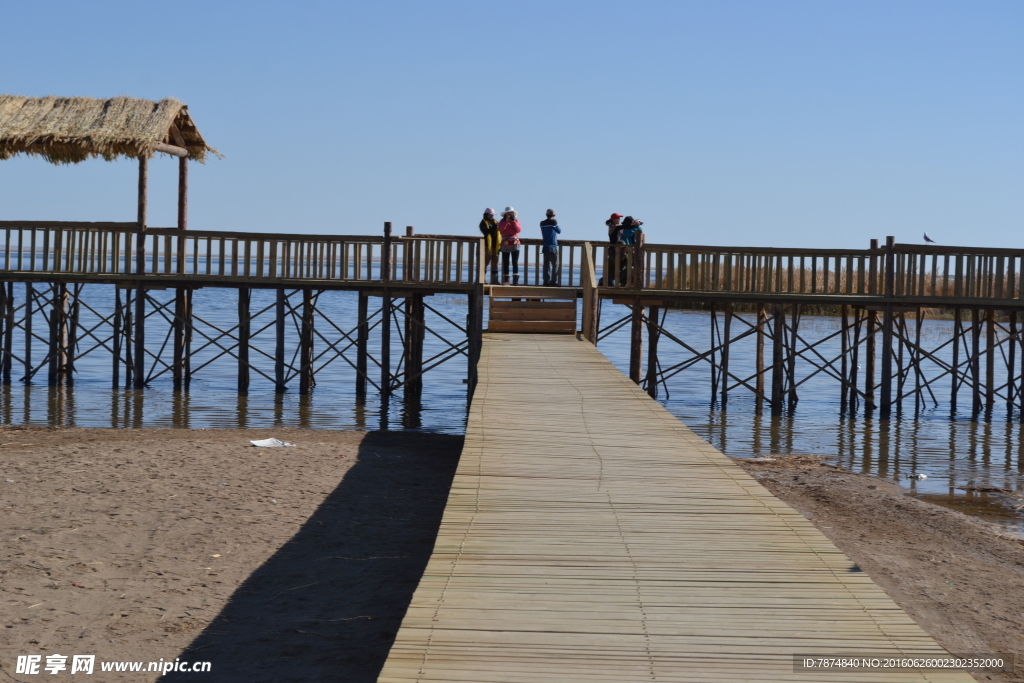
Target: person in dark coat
549 230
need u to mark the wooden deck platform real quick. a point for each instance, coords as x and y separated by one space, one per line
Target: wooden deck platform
590 536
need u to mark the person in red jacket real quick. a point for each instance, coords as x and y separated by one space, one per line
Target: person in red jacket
509 228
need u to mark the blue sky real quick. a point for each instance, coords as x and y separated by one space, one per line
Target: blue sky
737 123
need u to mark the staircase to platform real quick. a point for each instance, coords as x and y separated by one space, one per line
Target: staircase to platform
532 310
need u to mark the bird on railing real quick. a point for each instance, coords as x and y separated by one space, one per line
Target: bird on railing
927 238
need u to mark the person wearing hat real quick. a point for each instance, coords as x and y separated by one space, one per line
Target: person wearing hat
492 242
509 227
630 235
614 229
549 230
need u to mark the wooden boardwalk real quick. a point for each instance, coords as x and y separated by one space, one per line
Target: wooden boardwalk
591 536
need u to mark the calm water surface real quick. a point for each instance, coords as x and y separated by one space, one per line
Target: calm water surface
952 451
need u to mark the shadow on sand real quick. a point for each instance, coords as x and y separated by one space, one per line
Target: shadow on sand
327 605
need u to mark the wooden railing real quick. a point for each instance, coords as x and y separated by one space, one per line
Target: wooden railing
114 248
917 271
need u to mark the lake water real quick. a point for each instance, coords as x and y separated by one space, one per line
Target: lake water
951 450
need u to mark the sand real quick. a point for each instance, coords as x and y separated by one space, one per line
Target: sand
297 564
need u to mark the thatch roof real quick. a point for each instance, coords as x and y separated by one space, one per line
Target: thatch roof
67 130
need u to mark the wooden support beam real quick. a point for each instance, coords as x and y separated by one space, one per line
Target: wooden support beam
385 308
244 338
475 319
178 339
855 359
1011 365
955 379
792 395
885 402
173 150
58 313
8 355
976 402
29 306
778 350
762 321
636 340
182 196
653 332
726 345
139 334
990 358
844 351
713 364
306 379
362 338
74 308
279 385
414 336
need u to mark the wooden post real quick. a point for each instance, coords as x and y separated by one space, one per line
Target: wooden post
385 309
791 373
1011 365
855 359
57 315
362 337
178 333
887 324
844 350
653 332
306 379
414 336
900 323
636 340
778 368
957 335
139 371
990 358
762 320
916 356
975 360
475 320
8 357
244 334
71 348
30 297
183 193
279 385
727 343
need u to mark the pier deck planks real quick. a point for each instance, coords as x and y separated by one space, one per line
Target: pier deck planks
591 536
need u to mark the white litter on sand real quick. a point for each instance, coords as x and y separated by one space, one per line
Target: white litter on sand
270 443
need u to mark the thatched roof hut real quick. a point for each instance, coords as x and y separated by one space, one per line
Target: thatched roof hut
67 130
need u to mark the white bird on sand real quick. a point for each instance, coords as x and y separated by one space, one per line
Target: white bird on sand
927 238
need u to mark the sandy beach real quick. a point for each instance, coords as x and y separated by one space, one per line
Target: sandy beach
297 563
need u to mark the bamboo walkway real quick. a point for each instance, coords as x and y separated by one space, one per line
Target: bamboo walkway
590 536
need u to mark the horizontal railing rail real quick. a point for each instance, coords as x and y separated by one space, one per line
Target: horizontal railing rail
114 248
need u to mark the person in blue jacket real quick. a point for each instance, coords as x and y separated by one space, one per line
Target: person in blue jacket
550 231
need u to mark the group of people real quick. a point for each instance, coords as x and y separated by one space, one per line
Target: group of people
502 237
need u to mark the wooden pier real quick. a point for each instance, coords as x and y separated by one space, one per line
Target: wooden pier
590 536
756 296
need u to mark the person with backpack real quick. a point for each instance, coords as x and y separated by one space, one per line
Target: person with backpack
509 228
630 235
549 230
492 242
614 229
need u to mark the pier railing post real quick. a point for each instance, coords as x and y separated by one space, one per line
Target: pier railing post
887 328
385 308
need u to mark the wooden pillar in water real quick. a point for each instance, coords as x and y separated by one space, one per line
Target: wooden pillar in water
726 345
74 308
762 320
414 336
178 339
778 368
1011 365
900 324
653 332
244 334
791 370
854 361
306 379
385 309
957 335
362 337
844 350
139 371
58 332
475 331
990 358
8 338
636 341
975 360
885 402
279 385
30 297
